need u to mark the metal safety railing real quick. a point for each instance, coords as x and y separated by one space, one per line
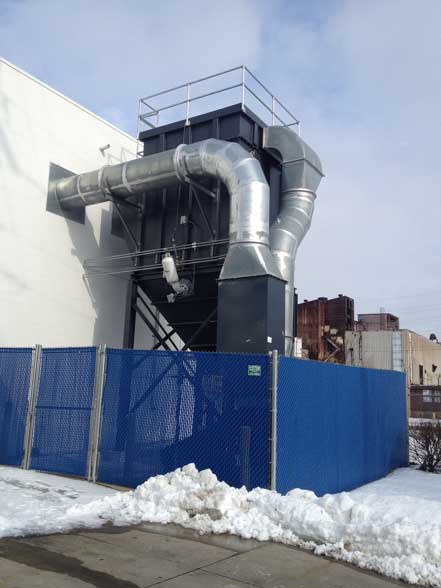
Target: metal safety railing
237 85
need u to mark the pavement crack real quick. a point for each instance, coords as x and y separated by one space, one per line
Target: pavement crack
230 578
198 569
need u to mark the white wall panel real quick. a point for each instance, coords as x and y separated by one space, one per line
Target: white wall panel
43 298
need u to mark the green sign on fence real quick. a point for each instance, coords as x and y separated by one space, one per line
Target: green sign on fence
254 370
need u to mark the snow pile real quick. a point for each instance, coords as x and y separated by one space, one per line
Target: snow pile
392 526
33 503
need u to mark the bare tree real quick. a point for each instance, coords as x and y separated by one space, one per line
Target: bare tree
425 445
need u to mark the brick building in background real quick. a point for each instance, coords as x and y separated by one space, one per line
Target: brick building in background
380 321
321 324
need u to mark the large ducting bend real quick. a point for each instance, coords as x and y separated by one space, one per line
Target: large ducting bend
301 175
248 253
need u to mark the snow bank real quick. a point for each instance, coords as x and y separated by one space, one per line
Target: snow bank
392 526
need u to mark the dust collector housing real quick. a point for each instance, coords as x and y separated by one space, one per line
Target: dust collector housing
201 212
181 217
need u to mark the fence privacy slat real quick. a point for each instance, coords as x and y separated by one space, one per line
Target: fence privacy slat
338 427
63 409
165 409
15 376
121 416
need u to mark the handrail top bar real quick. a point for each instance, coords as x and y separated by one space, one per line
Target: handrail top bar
216 75
274 108
191 99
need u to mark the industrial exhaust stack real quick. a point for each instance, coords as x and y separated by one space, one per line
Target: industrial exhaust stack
213 214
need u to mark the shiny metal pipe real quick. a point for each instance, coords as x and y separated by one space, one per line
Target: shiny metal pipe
301 176
248 253
121 180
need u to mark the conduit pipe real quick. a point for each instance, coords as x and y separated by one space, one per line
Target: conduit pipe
248 253
301 176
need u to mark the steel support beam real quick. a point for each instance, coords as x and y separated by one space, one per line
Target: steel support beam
200 329
96 414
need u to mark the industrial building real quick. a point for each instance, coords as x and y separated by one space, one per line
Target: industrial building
186 239
128 259
321 326
380 321
401 350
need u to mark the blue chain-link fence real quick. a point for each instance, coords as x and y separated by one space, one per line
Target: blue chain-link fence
63 409
338 427
163 409
15 373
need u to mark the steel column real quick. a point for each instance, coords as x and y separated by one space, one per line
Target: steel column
273 441
34 384
96 414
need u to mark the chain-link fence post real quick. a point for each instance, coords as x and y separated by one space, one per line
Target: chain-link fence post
34 384
273 393
96 414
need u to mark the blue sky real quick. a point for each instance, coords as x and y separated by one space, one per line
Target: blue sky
363 77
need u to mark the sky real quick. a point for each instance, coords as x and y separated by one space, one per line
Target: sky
364 78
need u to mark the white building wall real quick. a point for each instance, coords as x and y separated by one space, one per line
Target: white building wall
378 349
374 349
420 351
42 294
370 349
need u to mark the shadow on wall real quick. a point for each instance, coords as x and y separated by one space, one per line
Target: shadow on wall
107 294
13 282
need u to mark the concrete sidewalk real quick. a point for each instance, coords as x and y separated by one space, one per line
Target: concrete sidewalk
168 557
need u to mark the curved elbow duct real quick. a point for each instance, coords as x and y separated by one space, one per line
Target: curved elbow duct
248 253
301 175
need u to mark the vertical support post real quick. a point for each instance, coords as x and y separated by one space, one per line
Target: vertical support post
130 314
34 384
96 414
274 382
243 87
187 113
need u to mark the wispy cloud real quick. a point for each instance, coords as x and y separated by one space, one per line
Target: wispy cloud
363 77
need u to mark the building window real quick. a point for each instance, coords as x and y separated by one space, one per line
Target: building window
432 396
421 374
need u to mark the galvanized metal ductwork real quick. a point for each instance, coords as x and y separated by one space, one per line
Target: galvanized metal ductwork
248 253
301 175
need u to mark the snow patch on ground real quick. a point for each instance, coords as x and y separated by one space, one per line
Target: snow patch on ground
32 503
392 526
